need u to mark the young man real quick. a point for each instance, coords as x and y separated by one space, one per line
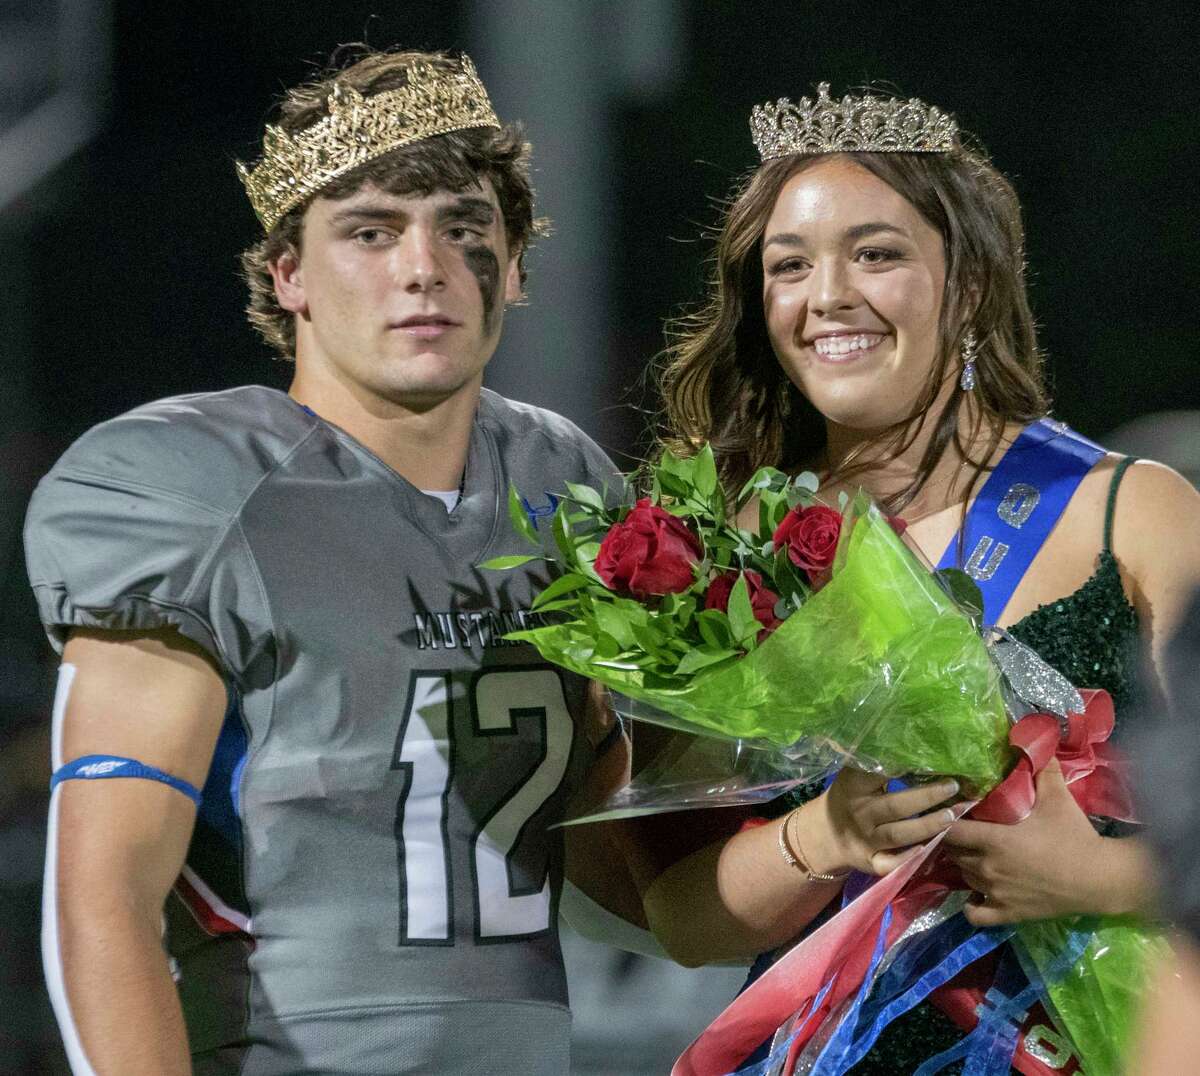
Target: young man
270 605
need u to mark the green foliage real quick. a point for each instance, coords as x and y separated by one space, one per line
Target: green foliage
965 592
666 638
564 584
519 518
742 621
501 564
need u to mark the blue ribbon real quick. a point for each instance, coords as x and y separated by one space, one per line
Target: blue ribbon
926 963
840 1040
988 1050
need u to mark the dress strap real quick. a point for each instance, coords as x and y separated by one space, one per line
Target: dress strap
1118 474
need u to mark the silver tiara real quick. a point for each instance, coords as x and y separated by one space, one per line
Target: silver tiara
854 124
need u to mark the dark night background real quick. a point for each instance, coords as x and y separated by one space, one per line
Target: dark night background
119 265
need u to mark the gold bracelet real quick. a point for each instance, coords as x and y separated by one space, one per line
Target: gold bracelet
794 857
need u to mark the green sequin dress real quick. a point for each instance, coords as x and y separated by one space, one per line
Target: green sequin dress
1091 637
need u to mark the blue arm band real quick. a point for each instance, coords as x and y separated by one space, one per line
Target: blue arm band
97 767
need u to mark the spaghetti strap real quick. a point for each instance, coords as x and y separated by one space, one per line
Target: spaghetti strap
1118 474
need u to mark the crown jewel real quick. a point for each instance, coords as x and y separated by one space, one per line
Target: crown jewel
854 124
358 129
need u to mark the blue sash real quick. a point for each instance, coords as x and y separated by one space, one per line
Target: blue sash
1017 508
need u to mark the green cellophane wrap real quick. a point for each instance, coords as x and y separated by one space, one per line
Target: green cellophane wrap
1097 1002
879 663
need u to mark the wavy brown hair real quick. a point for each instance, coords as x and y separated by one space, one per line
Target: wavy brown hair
721 382
456 161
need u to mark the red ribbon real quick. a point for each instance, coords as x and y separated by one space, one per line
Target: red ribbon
1090 766
839 950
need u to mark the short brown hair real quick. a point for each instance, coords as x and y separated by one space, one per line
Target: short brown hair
453 162
722 383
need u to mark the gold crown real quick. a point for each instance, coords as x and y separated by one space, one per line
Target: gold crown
358 129
854 124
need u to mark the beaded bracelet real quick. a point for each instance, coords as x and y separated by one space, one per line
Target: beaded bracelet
796 858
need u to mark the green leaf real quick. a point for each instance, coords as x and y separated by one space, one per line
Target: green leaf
607 648
714 629
964 590
716 504
673 485
683 467
520 518
763 479
563 536
565 603
564 584
649 639
501 564
585 558
789 580
742 621
677 607
635 612
705 472
585 495
776 510
701 658
614 621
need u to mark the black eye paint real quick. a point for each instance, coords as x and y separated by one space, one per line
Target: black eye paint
486 268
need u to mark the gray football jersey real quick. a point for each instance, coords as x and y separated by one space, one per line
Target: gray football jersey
372 886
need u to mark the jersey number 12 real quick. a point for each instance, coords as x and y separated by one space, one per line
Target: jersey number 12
501 699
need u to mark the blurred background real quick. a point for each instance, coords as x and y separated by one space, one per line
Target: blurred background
121 221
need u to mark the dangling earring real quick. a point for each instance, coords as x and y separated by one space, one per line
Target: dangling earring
970 348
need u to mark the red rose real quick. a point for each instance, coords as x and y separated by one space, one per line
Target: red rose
650 552
899 524
762 599
810 536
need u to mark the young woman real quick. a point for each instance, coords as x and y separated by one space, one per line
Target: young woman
867 319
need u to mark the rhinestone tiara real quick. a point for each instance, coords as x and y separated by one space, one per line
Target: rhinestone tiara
294 167
865 124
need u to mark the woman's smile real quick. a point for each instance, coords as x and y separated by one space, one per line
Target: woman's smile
843 347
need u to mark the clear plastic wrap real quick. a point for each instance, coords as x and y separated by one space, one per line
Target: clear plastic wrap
1096 1000
692 772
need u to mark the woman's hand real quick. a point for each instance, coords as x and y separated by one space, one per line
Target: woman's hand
1051 864
856 824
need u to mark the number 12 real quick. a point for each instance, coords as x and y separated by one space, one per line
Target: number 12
424 754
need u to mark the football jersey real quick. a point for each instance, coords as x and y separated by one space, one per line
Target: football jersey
371 886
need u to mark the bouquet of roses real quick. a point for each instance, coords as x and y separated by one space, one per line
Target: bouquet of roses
815 638
816 635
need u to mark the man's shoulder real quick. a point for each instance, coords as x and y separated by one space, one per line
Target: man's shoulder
211 447
521 422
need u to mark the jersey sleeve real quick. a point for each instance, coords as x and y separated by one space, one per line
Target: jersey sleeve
120 536
602 474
